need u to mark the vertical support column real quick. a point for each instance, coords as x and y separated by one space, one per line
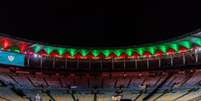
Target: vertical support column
136 64
41 63
184 58
124 63
53 64
101 64
28 60
65 65
171 60
112 63
78 63
90 64
95 96
159 62
196 57
147 63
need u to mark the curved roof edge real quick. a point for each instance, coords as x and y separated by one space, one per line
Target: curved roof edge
121 47
186 41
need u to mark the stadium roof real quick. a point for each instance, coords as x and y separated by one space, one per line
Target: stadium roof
176 45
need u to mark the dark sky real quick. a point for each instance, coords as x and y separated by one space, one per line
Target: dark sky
100 23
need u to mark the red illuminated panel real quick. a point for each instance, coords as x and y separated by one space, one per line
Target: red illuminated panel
170 52
6 44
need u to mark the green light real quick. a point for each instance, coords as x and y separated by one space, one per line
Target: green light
175 47
18 51
152 50
129 52
186 44
37 48
163 48
72 51
95 53
15 49
196 41
140 51
48 49
84 52
61 51
117 52
106 53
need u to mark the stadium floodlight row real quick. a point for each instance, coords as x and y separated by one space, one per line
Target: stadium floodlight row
180 51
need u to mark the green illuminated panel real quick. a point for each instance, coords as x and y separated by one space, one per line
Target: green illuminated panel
140 51
152 50
15 49
48 49
84 52
95 53
117 52
72 51
129 52
186 44
37 48
174 46
196 41
163 48
61 51
106 53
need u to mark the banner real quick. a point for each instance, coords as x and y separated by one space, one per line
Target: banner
10 58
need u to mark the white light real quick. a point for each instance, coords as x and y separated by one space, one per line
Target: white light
73 87
197 50
116 98
35 55
39 56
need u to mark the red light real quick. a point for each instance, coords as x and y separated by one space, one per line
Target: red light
158 54
112 55
100 56
78 56
123 55
22 47
183 50
54 54
147 54
135 55
42 53
89 57
29 51
5 44
170 52
120 57
66 55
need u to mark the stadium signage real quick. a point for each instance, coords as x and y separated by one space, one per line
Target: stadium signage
10 58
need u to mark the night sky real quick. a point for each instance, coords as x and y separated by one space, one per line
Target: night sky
99 23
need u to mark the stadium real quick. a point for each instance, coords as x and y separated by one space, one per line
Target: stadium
162 71
100 50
